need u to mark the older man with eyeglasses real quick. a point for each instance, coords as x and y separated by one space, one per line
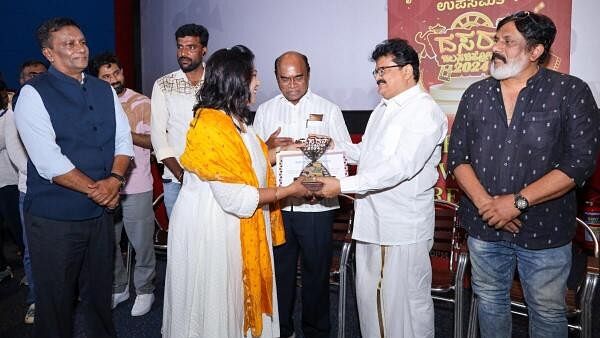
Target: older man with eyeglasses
523 139
394 219
294 114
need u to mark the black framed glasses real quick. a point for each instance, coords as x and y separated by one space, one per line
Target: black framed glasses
381 70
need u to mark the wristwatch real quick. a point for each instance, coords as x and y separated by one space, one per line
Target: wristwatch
521 202
120 178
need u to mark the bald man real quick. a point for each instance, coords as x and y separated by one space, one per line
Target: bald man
294 114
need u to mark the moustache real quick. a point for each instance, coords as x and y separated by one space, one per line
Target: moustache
184 58
116 84
499 57
381 82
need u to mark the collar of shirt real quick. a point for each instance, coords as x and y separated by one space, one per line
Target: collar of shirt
126 93
65 77
531 82
381 113
403 97
180 74
392 104
540 74
301 110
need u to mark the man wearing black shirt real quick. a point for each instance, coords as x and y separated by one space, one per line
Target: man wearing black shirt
522 140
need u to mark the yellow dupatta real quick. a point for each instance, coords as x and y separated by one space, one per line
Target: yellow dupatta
215 152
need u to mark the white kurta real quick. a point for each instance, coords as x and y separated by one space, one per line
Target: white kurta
394 214
397 169
203 292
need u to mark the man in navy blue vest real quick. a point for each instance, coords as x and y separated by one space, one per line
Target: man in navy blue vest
79 143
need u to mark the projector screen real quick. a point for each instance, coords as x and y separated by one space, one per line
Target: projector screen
337 36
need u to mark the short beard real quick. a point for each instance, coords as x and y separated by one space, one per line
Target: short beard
509 69
118 87
189 68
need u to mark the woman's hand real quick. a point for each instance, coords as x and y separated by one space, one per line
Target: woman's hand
297 189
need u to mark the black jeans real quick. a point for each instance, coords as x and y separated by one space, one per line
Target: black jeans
307 234
71 258
9 216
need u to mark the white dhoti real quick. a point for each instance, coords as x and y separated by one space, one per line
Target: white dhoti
403 308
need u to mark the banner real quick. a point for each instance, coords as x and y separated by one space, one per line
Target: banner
454 40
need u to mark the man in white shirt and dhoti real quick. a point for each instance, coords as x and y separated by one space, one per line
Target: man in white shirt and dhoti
394 210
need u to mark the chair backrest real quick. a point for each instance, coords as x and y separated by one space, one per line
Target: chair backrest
584 261
342 226
585 252
447 234
587 237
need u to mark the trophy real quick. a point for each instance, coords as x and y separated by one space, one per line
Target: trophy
313 148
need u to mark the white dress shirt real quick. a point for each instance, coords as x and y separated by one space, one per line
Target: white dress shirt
173 100
397 169
294 122
8 173
16 150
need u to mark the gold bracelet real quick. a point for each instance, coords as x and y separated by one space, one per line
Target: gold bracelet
276 194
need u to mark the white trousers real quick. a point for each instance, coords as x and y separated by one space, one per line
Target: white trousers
403 307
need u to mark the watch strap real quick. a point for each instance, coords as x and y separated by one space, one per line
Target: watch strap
119 177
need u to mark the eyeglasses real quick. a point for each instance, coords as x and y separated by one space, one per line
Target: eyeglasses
294 79
381 70
524 15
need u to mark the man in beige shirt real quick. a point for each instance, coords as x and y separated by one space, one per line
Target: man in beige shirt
173 100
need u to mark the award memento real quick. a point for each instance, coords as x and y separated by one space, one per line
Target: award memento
314 147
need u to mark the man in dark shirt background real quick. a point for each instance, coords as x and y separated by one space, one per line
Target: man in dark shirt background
29 70
522 141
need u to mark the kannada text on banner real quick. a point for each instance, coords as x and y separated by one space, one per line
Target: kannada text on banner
454 40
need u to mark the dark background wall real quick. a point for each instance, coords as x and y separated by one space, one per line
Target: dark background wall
20 20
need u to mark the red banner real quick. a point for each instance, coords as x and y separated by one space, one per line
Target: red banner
454 40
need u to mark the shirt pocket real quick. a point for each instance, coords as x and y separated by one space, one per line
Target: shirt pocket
540 129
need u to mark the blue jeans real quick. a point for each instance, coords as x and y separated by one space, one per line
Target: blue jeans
26 258
171 191
543 274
